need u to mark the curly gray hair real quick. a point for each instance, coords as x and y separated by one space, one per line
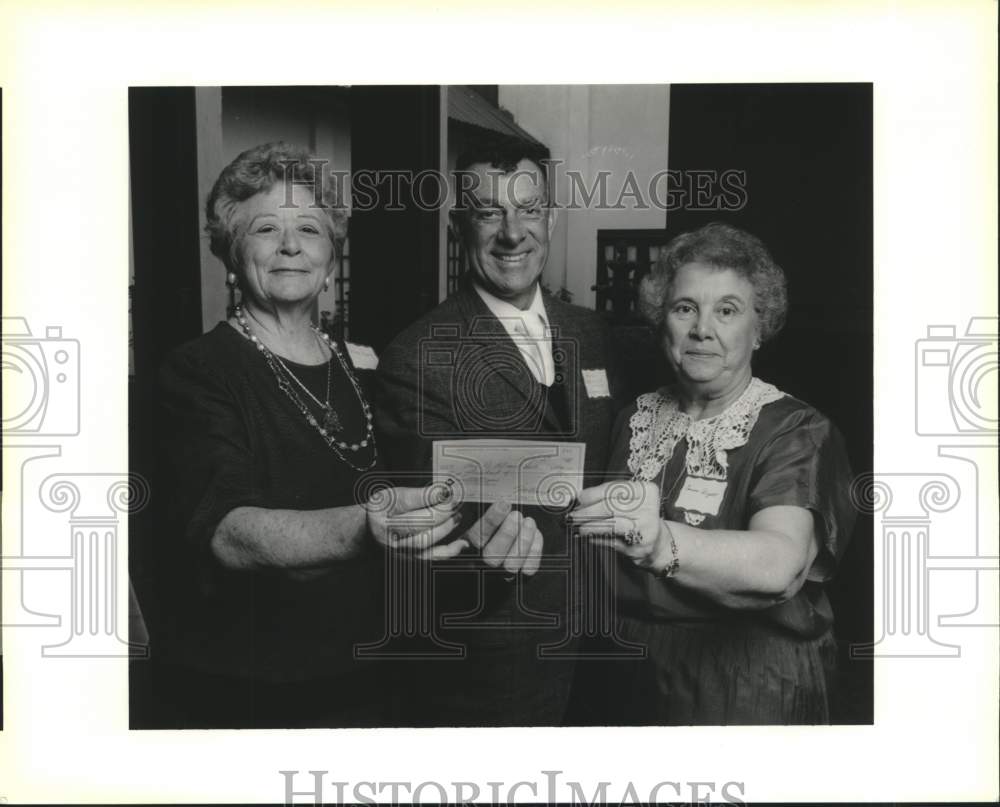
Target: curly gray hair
257 170
724 247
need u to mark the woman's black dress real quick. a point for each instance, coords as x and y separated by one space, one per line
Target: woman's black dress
256 648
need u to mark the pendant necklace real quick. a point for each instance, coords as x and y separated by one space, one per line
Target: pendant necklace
329 425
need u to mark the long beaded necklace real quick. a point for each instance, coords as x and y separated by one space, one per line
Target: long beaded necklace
331 423
330 420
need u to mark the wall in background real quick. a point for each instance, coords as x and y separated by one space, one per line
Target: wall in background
617 128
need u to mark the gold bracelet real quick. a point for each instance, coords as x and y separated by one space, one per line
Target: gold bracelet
674 564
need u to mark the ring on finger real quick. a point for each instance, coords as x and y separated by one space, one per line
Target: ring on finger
632 537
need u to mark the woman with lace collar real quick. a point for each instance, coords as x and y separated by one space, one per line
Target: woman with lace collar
733 511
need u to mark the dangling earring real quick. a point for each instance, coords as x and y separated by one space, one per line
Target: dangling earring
326 283
232 285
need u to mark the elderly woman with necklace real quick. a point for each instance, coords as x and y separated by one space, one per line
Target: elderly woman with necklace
733 510
268 572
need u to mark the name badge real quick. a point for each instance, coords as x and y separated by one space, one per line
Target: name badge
596 382
363 357
701 495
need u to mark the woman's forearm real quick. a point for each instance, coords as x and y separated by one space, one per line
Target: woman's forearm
258 538
745 569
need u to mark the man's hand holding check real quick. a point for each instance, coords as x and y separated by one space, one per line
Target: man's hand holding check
417 520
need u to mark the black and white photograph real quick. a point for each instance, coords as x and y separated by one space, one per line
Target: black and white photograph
347 419
554 406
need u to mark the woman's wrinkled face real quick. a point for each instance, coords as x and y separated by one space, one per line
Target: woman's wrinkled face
285 253
711 329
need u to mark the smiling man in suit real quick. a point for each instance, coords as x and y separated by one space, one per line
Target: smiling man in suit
500 359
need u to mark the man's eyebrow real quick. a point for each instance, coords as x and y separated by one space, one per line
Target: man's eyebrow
477 202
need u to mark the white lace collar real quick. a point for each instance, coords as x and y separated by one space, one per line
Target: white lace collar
658 425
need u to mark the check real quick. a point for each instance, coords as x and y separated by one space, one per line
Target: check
525 472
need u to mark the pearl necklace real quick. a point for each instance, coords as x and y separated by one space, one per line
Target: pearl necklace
330 420
331 423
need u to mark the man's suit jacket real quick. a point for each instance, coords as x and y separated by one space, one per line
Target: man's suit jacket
456 374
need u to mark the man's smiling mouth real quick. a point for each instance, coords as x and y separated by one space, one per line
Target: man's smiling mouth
511 258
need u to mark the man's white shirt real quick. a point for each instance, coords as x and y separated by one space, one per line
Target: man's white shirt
529 329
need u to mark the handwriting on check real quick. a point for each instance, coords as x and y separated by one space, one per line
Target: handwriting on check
523 472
